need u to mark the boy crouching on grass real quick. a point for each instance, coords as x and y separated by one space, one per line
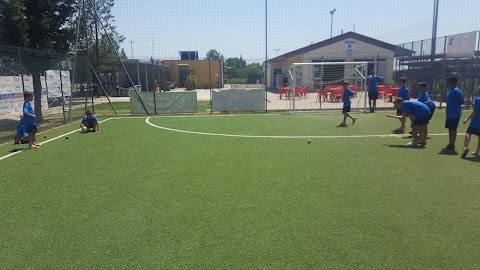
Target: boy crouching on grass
419 115
347 94
22 134
90 123
473 128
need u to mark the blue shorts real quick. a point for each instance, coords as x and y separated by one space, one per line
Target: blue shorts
474 131
90 124
32 129
372 95
421 121
452 124
399 112
346 109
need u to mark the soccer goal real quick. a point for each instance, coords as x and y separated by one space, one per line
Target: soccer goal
318 86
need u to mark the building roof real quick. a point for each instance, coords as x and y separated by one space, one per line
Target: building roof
348 35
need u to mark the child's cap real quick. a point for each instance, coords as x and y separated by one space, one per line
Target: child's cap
424 84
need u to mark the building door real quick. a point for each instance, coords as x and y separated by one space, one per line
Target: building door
277 73
182 76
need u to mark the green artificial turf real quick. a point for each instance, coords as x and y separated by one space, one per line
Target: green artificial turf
135 196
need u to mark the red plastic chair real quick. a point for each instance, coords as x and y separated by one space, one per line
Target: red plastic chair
284 91
298 92
306 92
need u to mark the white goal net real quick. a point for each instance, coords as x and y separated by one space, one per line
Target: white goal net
318 86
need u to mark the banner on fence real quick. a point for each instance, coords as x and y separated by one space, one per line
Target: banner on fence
461 45
238 100
11 94
57 81
163 102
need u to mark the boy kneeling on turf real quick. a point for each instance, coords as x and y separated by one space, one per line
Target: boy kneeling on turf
22 134
419 115
90 123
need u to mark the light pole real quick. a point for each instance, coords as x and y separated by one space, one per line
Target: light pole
434 29
331 21
277 51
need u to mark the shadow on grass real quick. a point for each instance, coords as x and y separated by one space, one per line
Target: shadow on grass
448 153
398 131
473 159
406 146
17 149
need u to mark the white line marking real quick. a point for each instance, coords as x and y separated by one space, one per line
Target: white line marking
12 154
47 141
147 120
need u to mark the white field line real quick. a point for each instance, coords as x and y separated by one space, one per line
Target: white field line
147 120
47 141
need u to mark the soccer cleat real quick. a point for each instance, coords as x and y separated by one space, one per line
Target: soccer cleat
465 153
353 121
449 148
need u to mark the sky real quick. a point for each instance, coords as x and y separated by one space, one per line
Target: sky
162 28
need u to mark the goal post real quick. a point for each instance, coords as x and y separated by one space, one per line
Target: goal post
324 80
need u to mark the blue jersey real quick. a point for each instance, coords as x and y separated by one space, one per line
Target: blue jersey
454 107
475 121
22 131
373 83
346 97
28 120
424 97
416 108
91 120
403 93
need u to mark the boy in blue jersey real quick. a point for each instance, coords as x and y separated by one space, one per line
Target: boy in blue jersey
90 122
29 119
402 93
372 82
347 94
419 115
22 134
474 127
455 100
425 97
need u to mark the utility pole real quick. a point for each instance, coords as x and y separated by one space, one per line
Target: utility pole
434 29
331 22
152 46
131 47
277 51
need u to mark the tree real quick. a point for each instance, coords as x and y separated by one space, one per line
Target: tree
98 21
13 25
47 31
235 63
254 68
214 55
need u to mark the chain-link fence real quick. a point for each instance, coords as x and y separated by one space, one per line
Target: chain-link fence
67 85
432 61
60 94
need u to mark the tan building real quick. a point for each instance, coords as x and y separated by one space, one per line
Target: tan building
179 70
348 47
